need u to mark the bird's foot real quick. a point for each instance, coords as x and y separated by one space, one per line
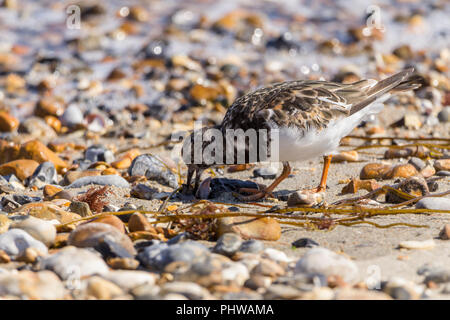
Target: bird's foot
257 194
307 197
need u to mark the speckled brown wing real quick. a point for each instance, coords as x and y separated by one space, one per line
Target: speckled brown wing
304 104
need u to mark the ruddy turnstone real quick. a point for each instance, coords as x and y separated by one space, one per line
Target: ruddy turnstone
310 117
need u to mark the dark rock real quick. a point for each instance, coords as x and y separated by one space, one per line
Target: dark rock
23 199
443 173
304 243
111 249
179 238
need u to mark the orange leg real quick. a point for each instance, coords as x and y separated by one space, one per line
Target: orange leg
260 194
323 181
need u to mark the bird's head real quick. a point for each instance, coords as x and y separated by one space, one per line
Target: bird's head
202 149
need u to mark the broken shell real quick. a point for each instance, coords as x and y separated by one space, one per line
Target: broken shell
426 244
355 184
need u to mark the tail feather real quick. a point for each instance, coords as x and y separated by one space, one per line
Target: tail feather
402 81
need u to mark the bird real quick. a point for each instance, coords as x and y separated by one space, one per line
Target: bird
310 118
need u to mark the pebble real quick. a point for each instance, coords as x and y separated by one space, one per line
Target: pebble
8 123
42 285
72 116
442 165
39 229
228 244
374 171
138 222
444 115
428 171
252 246
443 235
276 255
268 268
234 273
102 289
44 174
328 263
109 248
98 153
15 241
250 228
22 168
123 263
81 208
434 203
413 244
142 191
153 168
48 211
269 172
5 222
359 294
37 128
305 243
111 220
179 238
149 292
190 290
401 289
109 180
159 255
443 173
418 163
440 276
280 291
242 296
94 234
36 150
72 176
401 171
130 279
71 263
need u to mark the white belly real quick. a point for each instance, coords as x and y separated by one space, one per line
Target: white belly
293 147
299 146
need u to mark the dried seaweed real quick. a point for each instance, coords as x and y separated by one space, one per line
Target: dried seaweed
200 218
95 198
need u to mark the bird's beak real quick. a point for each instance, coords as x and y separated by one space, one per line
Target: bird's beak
190 174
